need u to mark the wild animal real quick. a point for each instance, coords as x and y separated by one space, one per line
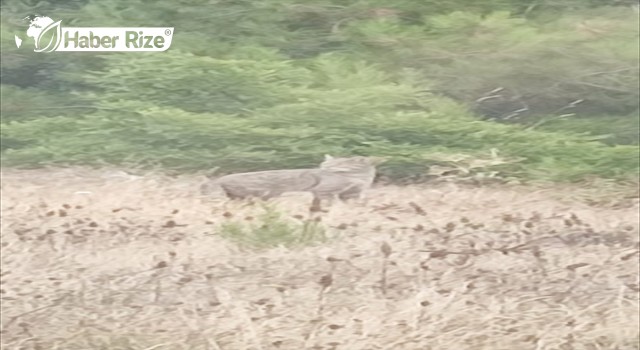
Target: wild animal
345 178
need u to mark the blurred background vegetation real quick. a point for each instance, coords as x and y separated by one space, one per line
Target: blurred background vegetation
508 89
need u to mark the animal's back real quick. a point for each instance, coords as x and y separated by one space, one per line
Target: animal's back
269 183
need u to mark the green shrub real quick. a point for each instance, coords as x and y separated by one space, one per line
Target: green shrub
270 229
277 84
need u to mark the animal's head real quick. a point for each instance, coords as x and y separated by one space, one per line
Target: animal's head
350 164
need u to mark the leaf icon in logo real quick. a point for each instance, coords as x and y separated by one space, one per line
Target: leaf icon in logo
54 32
18 41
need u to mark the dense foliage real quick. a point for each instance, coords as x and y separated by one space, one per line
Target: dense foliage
509 88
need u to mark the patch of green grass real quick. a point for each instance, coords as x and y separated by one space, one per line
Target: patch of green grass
270 229
612 130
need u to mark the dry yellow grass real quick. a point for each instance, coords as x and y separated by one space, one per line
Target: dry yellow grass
94 260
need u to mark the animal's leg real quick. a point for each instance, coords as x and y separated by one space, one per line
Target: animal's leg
270 194
238 197
350 193
317 201
234 196
316 205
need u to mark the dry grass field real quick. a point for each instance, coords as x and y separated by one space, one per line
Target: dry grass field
95 260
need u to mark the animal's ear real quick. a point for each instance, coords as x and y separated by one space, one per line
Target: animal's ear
327 157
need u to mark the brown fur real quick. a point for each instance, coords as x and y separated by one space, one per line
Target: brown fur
345 178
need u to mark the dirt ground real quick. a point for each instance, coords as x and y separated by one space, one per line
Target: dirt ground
96 259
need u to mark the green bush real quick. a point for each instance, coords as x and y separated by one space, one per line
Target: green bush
612 130
507 66
270 229
279 83
176 139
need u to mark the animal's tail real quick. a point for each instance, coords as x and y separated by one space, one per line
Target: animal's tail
212 187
